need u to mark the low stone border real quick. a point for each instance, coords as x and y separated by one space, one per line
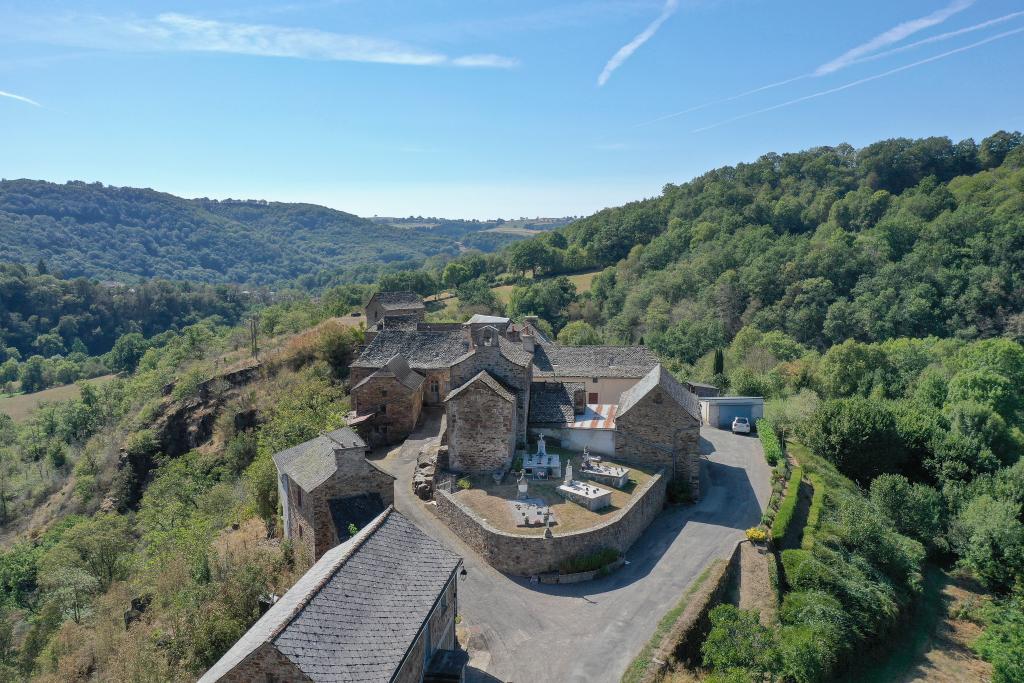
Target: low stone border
536 555
580 577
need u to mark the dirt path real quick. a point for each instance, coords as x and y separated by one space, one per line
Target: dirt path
755 582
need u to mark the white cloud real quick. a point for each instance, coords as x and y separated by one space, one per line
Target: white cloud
893 35
173 32
20 98
486 61
861 81
627 50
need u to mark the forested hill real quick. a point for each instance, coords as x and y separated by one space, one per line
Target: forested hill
900 238
130 234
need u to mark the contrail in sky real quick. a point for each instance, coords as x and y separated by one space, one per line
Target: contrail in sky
627 50
893 35
868 58
861 81
19 98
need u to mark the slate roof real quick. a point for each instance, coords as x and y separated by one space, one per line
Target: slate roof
480 318
398 368
555 360
552 402
312 463
354 615
424 350
397 300
487 379
405 321
659 376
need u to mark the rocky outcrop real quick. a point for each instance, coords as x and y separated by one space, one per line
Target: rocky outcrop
426 472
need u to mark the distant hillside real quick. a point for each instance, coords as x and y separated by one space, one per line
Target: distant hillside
128 234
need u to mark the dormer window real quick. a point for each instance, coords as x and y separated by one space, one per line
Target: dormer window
384 393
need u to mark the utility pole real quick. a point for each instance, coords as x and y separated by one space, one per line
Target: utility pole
253 326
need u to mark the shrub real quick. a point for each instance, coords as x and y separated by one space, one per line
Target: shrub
780 527
769 442
858 436
814 512
464 484
757 534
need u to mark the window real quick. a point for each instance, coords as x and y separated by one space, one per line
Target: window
384 393
434 386
383 410
298 496
594 380
592 397
300 531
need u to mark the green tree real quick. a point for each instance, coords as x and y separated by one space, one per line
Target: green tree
127 352
989 537
857 435
102 545
915 510
33 376
579 333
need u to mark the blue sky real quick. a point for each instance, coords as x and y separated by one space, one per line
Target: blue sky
482 108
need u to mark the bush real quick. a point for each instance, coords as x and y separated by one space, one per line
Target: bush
769 442
858 436
589 562
814 512
780 527
464 484
757 534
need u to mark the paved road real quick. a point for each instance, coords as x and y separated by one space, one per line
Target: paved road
523 632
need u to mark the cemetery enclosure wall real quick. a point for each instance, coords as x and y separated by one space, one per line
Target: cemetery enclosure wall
530 555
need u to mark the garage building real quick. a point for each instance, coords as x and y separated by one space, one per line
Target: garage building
719 411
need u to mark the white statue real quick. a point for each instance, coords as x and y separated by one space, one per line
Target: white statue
522 484
541 448
568 473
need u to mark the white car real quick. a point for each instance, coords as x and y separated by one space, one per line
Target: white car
740 425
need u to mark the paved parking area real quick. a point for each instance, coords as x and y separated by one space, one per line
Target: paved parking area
590 632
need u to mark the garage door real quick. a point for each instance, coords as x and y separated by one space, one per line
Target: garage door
726 413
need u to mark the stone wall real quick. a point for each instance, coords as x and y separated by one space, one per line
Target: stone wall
658 432
441 627
530 555
481 424
403 406
264 663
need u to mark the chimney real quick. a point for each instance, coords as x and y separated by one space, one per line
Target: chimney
528 342
532 319
579 401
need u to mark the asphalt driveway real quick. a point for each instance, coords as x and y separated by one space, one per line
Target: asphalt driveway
591 631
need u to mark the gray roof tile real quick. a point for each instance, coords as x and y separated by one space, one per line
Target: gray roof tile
397 300
552 402
312 463
424 350
659 376
555 360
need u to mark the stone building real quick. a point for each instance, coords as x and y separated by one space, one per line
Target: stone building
379 608
502 359
430 349
482 418
388 402
658 425
607 371
387 304
325 485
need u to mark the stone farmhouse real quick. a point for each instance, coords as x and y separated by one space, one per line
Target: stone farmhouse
325 485
501 383
391 304
378 608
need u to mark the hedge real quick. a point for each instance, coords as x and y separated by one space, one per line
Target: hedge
769 441
814 513
785 514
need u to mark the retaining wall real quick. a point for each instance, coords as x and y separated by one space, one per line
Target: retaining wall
530 555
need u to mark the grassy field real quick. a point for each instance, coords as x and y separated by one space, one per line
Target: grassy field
20 406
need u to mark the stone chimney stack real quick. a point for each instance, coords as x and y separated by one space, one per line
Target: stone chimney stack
528 342
579 401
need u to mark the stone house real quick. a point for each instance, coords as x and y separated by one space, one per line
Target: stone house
325 485
378 608
658 425
387 304
607 371
430 349
481 416
388 402
503 360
